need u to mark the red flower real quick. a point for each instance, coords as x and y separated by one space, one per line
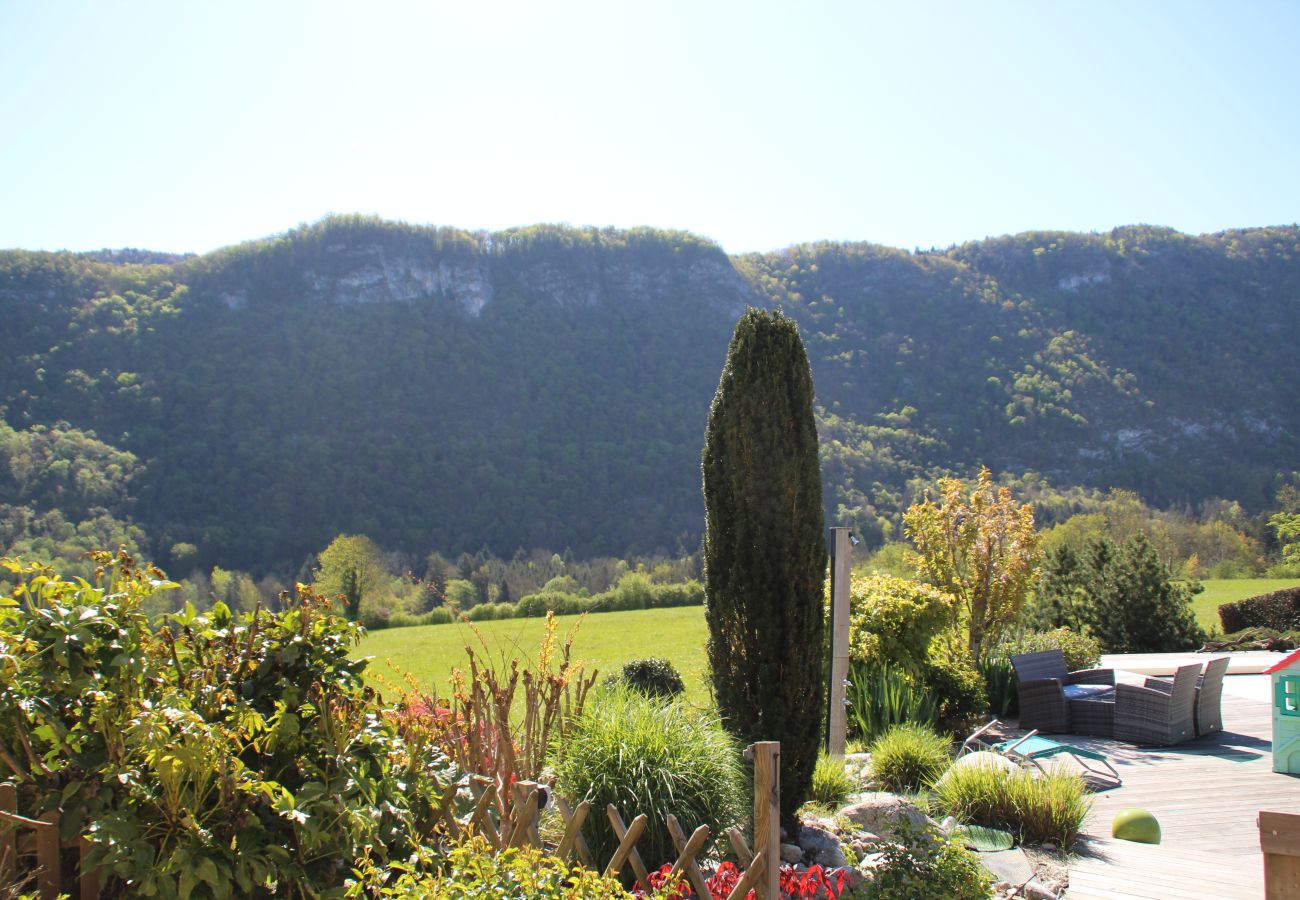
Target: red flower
795 885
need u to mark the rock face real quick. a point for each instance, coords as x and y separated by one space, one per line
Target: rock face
886 814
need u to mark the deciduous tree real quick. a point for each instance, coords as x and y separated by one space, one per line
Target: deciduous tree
980 547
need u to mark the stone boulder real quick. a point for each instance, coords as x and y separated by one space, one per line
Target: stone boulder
821 847
982 759
885 814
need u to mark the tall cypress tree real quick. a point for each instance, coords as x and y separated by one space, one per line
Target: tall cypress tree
765 549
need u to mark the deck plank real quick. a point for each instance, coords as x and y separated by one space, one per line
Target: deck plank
1206 795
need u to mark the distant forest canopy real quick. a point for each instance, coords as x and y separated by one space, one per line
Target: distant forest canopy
547 387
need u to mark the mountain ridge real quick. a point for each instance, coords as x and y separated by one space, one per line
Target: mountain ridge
547 386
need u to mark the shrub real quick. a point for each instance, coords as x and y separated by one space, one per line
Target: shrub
831 785
880 697
955 685
487 612
440 615
653 677
1279 610
1080 650
892 620
1051 807
765 549
200 752
1123 595
921 867
534 606
647 757
909 757
475 870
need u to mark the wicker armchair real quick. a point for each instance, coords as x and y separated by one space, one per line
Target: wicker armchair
1043 680
1159 712
1206 713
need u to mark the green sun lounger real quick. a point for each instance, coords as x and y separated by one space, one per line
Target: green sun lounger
1033 749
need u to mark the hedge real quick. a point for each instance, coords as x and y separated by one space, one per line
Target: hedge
1279 610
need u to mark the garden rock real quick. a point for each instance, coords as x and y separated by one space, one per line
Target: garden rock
1008 865
791 853
854 879
982 759
885 813
822 847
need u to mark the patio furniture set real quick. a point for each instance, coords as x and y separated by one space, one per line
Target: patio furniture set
1160 711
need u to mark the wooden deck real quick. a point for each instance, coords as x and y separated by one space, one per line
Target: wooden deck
1206 794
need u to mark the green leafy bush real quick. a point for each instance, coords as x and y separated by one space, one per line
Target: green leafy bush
831 785
1050 807
1081 651
893 620
880 697
487 612
1279 610
475 870
922 867
909 757
213 756
441 615
645 756
956 686
655 678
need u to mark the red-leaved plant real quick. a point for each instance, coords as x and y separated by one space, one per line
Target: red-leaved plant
810 884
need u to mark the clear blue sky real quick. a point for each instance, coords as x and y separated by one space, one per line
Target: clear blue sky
186 126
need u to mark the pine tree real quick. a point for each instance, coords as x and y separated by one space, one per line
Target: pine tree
765 549
1123 595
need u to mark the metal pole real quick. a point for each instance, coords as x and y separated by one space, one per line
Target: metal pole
841 574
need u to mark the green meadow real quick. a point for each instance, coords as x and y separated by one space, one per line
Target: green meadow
605 641
1226 590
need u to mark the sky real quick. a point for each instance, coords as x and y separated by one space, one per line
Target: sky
185 127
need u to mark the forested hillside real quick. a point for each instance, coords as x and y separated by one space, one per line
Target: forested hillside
548 386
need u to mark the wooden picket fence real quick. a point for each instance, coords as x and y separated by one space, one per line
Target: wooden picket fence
514 824
503 824
21 836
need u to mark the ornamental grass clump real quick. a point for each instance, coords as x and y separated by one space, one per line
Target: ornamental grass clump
831 785
908 758
881 697
1049 807
654 758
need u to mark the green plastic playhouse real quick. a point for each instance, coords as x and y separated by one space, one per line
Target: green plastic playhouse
1286 713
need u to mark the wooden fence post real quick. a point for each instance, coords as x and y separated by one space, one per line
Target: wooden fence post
841 575
1279 838
8 835
48 844
767 816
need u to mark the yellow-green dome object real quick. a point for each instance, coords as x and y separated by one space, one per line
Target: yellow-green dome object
1136 825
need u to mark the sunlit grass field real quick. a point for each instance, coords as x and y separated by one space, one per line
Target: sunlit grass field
606 641
603 640
1226 590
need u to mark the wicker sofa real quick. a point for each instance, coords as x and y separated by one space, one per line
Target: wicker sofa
1046 687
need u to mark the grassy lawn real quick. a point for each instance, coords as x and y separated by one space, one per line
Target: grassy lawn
604 640
607 640
1226 590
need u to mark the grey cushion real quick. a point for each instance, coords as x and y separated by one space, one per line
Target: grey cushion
1082 691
